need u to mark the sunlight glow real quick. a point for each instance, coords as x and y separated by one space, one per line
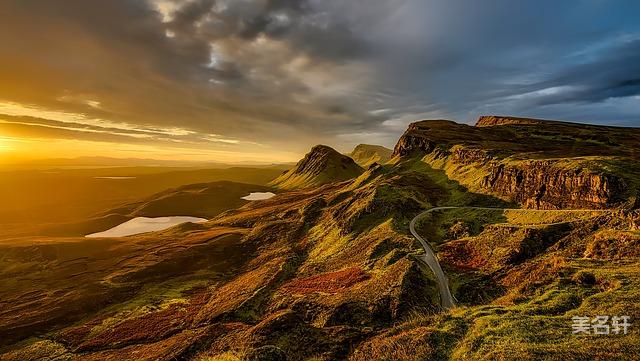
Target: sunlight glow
6 143
138 141
16 109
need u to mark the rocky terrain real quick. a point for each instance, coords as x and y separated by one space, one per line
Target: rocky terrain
328 269
535 163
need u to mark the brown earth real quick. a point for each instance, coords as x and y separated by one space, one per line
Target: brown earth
329 272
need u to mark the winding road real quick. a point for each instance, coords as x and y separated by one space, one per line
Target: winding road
430 259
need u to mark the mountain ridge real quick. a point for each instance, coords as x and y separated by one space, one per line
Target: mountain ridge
536 163
494 120
332 272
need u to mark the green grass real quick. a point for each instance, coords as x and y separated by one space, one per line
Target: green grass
530 319
539 328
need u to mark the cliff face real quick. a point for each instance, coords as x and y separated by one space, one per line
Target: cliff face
492 120
425 136
411 143
536 163
542 185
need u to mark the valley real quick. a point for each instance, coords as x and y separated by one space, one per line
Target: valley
468 243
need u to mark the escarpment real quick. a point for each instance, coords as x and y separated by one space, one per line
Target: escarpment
535 163
493 120
542 185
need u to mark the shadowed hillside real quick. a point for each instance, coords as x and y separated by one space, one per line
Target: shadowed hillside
28 195
204 200
331 272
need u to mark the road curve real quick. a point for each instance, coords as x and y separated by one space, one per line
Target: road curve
430 259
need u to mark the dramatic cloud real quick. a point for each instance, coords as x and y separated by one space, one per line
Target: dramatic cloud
276 76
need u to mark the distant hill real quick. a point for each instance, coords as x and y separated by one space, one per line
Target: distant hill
321 165
367 154
204 200
81 197
197 200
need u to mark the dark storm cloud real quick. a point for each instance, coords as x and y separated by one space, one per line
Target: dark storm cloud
289 73
614 73
306 26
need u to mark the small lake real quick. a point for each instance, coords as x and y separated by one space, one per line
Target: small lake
145 224
258 196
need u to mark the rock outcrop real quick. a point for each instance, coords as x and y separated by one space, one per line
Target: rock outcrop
543 185
492 120
536 163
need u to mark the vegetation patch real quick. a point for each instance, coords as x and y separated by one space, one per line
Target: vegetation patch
331 282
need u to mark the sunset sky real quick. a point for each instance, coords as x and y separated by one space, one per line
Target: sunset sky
264 80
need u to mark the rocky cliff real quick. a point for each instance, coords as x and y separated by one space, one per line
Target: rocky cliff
544 185
536 163
493 120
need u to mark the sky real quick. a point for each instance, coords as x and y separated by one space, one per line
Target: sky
264 80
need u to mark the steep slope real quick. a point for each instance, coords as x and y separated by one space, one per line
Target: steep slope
331 273
367 154
536 163
320 166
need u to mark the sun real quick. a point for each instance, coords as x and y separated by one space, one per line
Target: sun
5 144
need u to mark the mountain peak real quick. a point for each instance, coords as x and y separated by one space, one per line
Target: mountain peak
367 154
321 165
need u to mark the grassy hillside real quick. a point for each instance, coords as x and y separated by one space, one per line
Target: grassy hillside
320 166
331 272
519 281
534 163
367 154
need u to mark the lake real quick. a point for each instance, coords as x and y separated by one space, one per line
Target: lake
145 224
258 196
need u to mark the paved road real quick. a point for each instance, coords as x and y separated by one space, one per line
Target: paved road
430 259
